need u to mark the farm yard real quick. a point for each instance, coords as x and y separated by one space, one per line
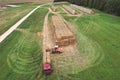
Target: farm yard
93 55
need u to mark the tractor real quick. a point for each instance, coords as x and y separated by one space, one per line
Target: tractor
57 49
47 69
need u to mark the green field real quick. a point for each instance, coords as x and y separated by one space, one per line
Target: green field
101 31
10 16
21 57
97 37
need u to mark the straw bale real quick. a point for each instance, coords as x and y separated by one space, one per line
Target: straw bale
72 40
88 11
44 57
48 57
69 9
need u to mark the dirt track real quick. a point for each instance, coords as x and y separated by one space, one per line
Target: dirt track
47 41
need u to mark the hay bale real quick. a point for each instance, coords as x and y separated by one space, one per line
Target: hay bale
72 40
59 43
44 57
70 10
85 10
62 34
58 36
66 42
64 37
48 57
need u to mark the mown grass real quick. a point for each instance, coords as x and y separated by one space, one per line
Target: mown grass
104 29
10 16
21 56
97 35
59 9
34 27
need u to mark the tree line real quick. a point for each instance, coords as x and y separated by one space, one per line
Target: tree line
109 6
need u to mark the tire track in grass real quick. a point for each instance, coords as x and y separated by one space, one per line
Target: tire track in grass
9 31
91 50
89 55
21 61
25 52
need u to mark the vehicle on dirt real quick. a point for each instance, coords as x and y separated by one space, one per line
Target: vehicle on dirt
57 49
47 69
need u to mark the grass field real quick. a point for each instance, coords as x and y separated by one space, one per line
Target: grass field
3 2
97 37
10 16
98 34
21 56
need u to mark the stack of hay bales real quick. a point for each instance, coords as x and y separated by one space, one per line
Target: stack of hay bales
63 36
85 10
46 54
69 9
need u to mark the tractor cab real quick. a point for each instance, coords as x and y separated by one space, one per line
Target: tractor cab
57 49
47 69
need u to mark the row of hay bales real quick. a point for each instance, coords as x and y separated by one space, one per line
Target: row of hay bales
85 10
46 53
2 8
46 57
62 35
69 9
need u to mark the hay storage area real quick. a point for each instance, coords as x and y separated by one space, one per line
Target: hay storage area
62 35
85 10
69 9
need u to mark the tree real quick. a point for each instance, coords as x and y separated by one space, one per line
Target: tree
109 6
